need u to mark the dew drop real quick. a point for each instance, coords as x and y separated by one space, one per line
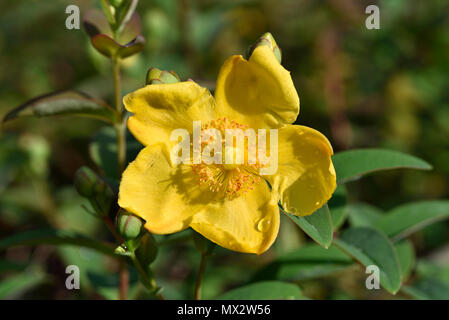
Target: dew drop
263 225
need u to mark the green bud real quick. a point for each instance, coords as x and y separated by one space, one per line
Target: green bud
84 182
156 76
203 245
266 40
147 251
116 3
96 190
129 226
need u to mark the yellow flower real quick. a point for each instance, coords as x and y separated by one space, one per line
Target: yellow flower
231 205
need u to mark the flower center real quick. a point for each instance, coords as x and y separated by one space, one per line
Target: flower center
238 172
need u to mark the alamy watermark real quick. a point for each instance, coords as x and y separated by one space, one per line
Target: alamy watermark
73 280
73 20
373 280
373 20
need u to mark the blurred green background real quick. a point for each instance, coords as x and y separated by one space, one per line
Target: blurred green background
362 88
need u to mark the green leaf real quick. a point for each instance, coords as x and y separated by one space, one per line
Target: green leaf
406 219
428 289
103 150
407 258
64 103
55 237
370 247
268 290
7 266
352 164
12 287
308 262
318 225
110 48
337 206
363 215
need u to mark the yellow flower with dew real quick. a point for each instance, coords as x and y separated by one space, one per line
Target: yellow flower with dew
231 204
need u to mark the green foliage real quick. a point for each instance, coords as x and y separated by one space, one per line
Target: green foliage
55 237
64 103
370 247
352 164
16 285
317 225
269 290
308 262
408 218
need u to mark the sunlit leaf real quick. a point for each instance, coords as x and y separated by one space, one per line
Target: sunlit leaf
268 290
64 103
408 218
318 225
370 247
352 164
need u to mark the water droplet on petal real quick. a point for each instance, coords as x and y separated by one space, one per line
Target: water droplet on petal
263 225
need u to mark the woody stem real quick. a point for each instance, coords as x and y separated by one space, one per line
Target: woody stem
199 279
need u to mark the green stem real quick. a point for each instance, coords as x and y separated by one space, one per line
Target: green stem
120 127
199 279
149 282
120 130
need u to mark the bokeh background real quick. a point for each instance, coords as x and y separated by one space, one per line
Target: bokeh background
384 88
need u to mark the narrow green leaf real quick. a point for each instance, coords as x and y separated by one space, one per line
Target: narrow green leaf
268 290
407 258
308 262
406 219
352 164
8 266
55 237
337 207
428 289
14 286
64 103
370 247
318 225
363 215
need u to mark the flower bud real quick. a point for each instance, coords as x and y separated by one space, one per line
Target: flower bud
116 3
156 76
96 190
203 245
147 251
129 226
85 181
266 40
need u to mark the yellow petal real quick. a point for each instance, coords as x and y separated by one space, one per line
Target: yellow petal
249 223
258 92
306 177
165 196
159 109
